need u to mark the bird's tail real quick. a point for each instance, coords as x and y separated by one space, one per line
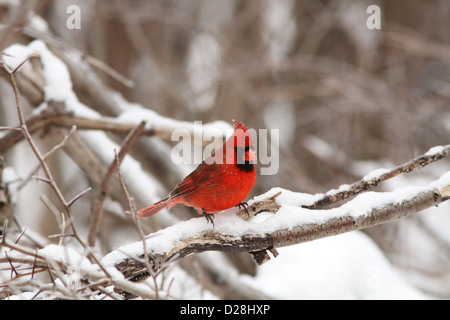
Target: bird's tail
153 209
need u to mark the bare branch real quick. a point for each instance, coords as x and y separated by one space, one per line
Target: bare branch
61 144
78 196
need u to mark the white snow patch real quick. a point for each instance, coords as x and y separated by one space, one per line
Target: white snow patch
348 266
375 174
134 113
67 255
434 150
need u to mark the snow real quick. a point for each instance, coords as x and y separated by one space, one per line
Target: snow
434 150
69 256
8 176
287 197
290 215
58 85
347 266
16 54
178 283
374 174
145 187
37 23
134 113
23 296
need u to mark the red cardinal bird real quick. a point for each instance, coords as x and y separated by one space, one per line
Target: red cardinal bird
221 181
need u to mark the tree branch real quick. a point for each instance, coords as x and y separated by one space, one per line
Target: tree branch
370 181
56 116
97 207
373 179
290 225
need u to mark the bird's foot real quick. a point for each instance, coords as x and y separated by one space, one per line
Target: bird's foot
243 205
208 216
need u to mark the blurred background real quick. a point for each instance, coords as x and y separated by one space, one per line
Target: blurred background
347 99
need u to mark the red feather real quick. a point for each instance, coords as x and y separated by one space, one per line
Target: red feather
220 182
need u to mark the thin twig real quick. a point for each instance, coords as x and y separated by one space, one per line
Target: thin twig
13 269
108 70
61 44
61 144
10 129
51 207
5 227
46 169
137 222
97 207
366 184
20 20
21 249
38 154
20 235
34 265
78 196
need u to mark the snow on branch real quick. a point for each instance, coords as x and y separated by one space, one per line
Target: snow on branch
370 180
286 217
290 224
377 176
58 106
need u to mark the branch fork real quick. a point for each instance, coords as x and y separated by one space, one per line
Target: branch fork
355 214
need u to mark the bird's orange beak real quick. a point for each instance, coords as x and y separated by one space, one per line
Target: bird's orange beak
250 155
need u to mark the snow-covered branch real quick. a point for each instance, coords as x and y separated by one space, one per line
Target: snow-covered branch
65 93
369 181
289 225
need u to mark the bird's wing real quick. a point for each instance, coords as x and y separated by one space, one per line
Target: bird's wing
184 188
197 179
